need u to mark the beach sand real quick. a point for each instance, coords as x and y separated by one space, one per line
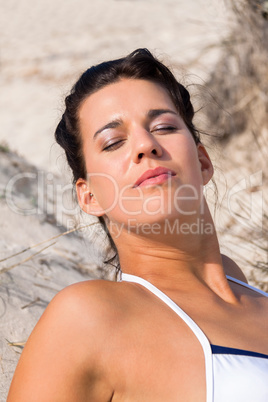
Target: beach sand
45 45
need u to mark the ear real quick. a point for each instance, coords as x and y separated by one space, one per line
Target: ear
87 201
205 163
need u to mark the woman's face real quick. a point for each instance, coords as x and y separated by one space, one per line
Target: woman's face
142 162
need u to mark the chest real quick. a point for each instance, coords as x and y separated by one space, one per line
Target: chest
161 358
161 369
163 362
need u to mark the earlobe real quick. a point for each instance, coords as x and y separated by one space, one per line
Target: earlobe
205 163
87 202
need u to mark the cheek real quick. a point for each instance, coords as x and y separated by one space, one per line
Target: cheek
105 189
184 152
185 155
107 184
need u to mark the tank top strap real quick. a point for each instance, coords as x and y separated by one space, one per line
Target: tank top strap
191 324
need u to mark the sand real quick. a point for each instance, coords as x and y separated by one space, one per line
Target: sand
45 45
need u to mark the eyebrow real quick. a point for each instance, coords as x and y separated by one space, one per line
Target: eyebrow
153 113
112 124
157 112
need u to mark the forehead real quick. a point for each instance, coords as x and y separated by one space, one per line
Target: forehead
123 99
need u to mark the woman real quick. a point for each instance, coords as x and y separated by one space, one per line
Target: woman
140 167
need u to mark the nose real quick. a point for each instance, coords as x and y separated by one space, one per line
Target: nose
145 145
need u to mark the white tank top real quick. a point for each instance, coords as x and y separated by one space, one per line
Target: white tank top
232 375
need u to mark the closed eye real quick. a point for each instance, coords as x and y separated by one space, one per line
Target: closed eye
113 146
164 129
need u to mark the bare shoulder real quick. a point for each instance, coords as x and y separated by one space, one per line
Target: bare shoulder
232 269
91 297
64 358
84 307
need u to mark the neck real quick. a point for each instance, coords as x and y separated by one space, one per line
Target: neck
175 259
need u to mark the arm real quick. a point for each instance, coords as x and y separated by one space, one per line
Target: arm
61 360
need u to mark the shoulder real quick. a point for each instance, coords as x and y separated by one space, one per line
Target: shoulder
87 309
87 297
232 269
67 345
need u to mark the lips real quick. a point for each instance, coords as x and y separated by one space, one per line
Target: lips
154 176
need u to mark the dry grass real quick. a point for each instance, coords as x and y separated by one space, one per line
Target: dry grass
6 269
238 106
239 83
